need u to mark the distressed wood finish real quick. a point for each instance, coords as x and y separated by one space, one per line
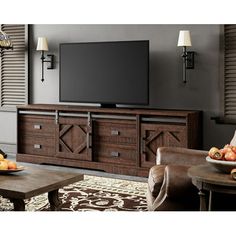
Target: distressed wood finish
160 135
71 139
38 145
35 181
115 142
120 140
115 132
116 154
36 135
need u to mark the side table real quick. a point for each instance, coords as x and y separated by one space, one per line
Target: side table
207 179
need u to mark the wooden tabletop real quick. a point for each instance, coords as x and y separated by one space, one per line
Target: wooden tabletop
33 181
208 174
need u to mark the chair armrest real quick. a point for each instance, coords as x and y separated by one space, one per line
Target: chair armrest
177 191
180 156
155 179
177 183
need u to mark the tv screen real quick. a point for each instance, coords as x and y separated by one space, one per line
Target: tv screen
105 72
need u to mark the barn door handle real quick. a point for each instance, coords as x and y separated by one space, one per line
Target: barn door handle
143 146
89 131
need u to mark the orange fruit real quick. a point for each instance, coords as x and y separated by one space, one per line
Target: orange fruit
11 165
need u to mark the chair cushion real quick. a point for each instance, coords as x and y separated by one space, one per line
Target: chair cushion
155 179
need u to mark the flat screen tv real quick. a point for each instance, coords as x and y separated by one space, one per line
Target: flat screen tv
108 73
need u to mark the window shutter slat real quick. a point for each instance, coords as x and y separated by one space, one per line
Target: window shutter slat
14 70
230 70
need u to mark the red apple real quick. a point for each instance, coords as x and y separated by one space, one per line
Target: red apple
230 156
233 149
226 148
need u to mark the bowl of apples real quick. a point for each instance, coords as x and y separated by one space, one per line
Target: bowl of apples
223 159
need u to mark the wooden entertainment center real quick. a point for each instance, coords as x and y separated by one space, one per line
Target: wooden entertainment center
115 140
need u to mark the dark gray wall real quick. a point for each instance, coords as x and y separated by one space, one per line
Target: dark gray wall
201 92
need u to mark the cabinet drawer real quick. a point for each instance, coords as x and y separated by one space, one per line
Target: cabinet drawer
29 124
114 154
36 145
116 133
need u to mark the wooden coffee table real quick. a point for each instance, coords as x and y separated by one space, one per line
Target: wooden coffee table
34 181
207 178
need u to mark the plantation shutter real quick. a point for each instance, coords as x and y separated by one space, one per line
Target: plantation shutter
230 71
14 67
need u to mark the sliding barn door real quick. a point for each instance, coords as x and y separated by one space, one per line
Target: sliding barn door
73 138
160 135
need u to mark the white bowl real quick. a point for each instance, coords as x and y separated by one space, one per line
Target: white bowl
223 166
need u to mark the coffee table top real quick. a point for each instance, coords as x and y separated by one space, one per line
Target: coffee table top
34 181
208 174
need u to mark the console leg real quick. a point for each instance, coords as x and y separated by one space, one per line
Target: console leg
54 200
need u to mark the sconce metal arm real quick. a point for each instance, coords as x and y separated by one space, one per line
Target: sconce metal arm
184 55
50 61
188 62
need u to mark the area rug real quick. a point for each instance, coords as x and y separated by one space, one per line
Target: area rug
92 194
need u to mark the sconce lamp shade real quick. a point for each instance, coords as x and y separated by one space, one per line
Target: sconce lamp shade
42 44
184 38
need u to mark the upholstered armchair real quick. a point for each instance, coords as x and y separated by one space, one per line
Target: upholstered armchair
169 187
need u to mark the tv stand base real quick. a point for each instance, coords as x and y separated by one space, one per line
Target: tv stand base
115 140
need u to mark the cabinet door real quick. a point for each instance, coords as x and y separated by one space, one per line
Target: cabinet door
73 138
159 135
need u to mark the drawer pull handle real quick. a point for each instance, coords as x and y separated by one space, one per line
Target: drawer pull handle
37 126
143 146
115 154
37 146
115 132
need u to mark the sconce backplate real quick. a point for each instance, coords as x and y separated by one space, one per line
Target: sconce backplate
190 60
50 61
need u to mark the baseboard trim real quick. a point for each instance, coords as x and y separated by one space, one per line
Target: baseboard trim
8 148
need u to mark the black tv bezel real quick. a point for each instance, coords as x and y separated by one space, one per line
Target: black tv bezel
105 103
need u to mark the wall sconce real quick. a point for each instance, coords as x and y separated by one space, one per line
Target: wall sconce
43 46
188 56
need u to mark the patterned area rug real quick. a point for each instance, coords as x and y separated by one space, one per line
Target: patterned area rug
92 194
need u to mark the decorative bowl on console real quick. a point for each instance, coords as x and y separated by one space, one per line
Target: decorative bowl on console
222 166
